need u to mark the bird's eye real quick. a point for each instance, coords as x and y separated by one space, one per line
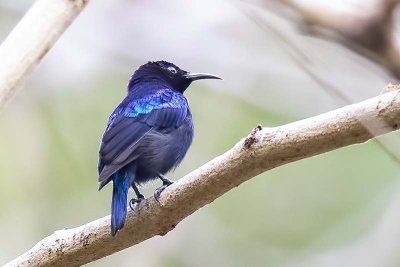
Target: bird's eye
172 70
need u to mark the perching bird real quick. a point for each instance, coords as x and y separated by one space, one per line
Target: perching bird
147 135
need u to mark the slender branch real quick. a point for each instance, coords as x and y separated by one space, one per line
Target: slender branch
31 39
263 149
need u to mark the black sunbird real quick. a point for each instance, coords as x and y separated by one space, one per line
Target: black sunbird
147 135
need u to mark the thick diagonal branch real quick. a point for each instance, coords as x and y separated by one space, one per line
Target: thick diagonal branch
31 39
263 149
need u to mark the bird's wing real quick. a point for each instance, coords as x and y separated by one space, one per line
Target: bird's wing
128 124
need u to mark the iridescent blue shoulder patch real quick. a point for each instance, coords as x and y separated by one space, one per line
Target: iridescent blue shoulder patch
160 100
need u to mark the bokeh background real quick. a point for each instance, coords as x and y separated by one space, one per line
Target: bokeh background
338 209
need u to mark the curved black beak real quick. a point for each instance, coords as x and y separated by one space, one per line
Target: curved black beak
199 76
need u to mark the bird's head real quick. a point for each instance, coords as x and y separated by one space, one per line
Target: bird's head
164 71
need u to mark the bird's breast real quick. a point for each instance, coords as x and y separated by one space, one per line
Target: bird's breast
164 149
178 141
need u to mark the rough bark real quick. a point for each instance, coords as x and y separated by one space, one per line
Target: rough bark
263 149
31 39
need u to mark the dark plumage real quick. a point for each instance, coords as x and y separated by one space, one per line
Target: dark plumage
147 135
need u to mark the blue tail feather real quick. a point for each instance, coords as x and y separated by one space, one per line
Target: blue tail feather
119 201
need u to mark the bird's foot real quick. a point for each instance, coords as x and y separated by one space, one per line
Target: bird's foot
134 201
159 190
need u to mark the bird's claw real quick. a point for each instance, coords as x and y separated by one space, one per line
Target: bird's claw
134 201
159 190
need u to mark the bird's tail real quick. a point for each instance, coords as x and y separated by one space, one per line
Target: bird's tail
118 206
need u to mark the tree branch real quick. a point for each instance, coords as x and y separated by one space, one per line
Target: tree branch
31 39
263 149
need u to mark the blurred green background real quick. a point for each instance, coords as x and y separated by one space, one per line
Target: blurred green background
337 209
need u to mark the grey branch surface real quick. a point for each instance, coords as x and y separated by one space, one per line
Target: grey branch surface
31 39
263 149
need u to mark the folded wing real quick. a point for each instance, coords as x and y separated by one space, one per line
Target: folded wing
131 122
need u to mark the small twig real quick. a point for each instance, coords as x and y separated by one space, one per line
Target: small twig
369 32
